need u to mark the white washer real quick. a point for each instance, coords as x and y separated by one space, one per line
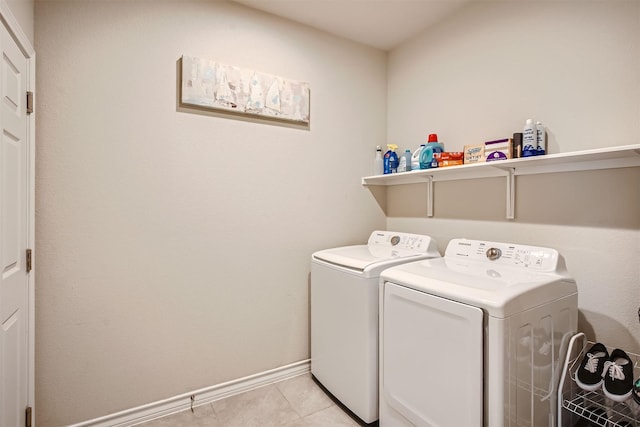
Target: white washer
344 314
475 338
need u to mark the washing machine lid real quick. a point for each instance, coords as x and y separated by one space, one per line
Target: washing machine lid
383 250
518 277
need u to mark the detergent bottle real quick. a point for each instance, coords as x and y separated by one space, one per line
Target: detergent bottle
391 159
415 157
426 155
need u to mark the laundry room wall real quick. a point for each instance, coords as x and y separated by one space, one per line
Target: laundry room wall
22 11
574 66
173 244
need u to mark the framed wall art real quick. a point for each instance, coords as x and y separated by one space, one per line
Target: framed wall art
209 84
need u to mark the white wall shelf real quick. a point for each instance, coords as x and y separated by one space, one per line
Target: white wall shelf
602 158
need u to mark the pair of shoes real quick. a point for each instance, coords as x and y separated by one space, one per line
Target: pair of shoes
614 373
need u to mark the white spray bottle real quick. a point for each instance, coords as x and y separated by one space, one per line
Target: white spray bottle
378 163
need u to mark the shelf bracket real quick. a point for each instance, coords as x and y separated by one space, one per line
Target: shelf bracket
511 193
430 196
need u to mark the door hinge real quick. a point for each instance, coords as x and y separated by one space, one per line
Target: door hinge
27 421
29 102
29 260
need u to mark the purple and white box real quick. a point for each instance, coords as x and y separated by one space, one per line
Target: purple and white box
499 149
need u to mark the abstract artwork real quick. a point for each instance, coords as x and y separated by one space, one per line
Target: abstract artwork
210 84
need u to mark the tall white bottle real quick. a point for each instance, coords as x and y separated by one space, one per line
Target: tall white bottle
378 163
541 139
402 166
407 156
529 139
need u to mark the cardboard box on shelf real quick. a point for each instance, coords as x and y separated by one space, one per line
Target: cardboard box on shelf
500 149
449 158
474 154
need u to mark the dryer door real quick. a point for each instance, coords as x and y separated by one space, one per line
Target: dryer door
432 359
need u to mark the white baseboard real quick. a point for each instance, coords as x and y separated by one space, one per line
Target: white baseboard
161 408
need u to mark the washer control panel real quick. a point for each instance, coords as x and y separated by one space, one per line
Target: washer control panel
507 254
400 241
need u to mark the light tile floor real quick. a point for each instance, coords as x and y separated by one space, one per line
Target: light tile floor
295 402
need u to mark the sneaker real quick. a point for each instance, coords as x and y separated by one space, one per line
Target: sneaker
589 375
618 376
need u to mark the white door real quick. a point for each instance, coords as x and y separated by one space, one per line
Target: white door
14 234
432 358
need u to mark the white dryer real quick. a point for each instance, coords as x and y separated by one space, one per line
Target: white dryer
475 338
344 314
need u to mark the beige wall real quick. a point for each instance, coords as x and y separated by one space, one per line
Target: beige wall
478 76
173 247
22 10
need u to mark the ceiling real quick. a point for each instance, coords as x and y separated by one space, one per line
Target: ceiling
382 24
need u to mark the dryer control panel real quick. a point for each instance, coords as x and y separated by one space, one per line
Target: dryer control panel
507 254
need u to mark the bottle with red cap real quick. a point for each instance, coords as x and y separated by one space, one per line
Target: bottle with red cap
426 155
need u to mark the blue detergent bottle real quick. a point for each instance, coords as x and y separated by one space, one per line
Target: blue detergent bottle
426 155
391 159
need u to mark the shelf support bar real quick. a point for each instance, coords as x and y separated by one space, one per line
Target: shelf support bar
430 196
511 193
